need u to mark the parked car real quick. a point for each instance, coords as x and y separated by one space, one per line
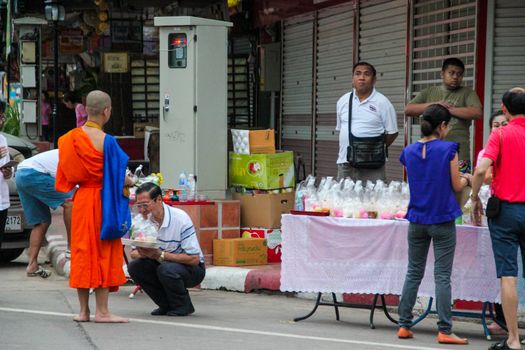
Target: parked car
17 231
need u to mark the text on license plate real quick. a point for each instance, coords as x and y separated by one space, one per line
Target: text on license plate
13 223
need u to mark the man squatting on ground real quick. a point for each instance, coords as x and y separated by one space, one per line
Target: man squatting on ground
166 273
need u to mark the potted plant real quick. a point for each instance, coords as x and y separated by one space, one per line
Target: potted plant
12 120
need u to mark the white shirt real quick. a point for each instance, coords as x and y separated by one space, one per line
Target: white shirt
45 162
177 233
371 117
4 187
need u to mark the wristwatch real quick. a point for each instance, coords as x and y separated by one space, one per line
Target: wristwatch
161 257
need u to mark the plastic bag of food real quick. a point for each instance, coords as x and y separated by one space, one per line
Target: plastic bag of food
143 229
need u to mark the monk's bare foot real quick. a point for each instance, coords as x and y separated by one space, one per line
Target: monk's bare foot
81 318
110 318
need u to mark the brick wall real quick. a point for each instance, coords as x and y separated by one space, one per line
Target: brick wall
215 221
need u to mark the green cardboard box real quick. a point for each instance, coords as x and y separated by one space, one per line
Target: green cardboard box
262 171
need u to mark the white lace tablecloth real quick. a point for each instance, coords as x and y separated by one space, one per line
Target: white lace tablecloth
326 254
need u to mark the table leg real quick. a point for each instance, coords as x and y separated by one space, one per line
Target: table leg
385 310
493 317
484 321
374 303
335 307
297 319
424 314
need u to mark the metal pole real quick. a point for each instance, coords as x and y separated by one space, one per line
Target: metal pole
55 109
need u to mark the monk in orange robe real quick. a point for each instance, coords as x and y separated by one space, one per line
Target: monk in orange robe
95 263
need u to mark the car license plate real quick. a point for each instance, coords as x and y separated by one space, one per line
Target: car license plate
13 223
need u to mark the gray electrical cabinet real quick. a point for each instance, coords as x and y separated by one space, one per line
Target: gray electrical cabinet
193 101
29 34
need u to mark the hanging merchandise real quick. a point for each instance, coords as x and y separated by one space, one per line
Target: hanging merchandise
233 3
102 16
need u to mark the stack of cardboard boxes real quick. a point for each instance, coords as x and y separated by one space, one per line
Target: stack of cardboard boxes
263 180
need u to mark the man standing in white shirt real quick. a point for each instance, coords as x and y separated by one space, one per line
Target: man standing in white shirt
166 273
5 174
372 116
35 183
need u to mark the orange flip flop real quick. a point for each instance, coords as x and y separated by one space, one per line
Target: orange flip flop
443 338
405 333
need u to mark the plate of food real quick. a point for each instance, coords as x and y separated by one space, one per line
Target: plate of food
141 243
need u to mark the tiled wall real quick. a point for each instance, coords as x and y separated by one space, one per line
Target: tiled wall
216 221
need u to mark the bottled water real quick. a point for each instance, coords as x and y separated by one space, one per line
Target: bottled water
183 183
191 187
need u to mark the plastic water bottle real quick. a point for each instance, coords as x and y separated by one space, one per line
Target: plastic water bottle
183 183
191 187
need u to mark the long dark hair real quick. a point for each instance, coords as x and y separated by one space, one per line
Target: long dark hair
432 118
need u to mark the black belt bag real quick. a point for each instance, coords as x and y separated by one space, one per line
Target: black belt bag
493 207
364 152
367 152
494 203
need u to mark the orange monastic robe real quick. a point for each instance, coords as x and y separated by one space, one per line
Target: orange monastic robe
95 263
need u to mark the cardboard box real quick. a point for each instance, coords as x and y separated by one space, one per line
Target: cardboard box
262 141
273 241
253 141
262 171
264 210
239 252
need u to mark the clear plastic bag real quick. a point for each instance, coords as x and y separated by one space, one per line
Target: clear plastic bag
143 229
349 199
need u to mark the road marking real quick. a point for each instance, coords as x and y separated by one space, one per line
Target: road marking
237 330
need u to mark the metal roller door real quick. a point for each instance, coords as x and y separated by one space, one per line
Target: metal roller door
296 124
334 40
441 29
240 84
509 48
382 42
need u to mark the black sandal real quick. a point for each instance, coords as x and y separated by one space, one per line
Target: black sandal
40 272
502 345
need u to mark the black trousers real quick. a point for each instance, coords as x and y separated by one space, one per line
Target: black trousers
3 219
167 283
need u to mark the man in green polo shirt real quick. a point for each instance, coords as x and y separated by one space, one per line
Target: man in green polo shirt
461 101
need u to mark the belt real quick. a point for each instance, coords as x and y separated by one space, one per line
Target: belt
90 185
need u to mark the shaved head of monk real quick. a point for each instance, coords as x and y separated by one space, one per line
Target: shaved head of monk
98 104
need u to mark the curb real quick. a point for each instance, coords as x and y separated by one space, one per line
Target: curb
240 279
56 252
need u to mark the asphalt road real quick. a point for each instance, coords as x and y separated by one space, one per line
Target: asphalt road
37 314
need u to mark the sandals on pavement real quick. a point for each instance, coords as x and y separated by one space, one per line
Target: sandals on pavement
443 338
502 345
40 272
404 333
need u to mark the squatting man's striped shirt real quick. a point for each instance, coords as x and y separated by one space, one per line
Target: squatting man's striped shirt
177 234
